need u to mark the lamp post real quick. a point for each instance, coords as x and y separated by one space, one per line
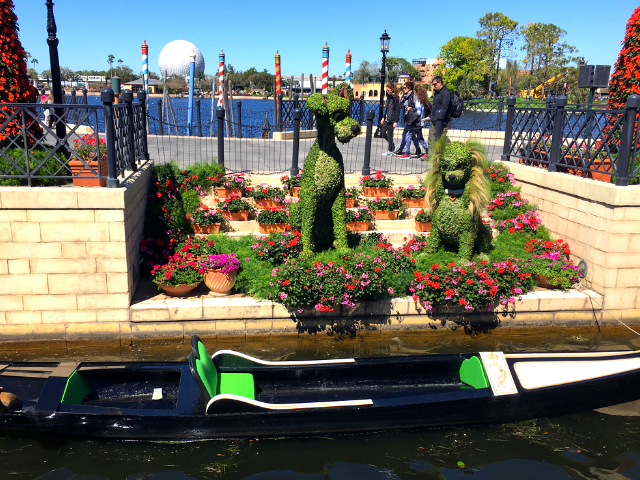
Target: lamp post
384 48
56 88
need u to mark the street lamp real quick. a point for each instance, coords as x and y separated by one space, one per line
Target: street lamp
56 88
384 48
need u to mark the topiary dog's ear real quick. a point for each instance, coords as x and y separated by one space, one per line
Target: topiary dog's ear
317 103
343 90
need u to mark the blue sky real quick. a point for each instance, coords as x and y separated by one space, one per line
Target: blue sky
250 32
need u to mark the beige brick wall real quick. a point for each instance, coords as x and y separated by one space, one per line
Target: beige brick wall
600 221
70 254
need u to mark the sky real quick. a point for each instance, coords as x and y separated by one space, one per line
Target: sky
249 32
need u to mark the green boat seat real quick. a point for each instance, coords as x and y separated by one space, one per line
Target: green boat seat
472 373
213 382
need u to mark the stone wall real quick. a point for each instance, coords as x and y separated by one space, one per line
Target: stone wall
601 222
69 256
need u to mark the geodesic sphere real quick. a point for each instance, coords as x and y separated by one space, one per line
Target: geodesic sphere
175 58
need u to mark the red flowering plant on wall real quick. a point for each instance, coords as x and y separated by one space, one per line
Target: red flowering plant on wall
500 178
180 270
278 246
626 75
15 84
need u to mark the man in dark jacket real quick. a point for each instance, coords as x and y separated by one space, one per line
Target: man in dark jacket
441 100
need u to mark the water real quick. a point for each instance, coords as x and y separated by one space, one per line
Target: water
589 445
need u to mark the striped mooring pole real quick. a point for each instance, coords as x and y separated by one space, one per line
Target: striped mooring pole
347 73
145 66
325 69
221 80
278 77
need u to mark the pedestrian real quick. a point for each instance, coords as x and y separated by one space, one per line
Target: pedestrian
391 117
406 103
48 121
415 119
441 101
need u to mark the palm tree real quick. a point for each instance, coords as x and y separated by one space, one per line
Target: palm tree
33 62
110 60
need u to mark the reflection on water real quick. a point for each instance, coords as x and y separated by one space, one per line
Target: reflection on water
590 445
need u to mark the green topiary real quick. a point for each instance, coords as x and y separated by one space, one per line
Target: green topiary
322 206
457 191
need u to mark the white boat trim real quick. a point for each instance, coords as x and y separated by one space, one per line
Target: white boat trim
534 375
570 354
289 406
282 362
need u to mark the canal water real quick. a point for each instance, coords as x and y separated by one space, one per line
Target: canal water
591 445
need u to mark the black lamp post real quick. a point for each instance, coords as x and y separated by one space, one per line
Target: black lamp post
56 88
384 48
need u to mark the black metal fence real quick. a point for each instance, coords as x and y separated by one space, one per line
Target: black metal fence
106 142
592 143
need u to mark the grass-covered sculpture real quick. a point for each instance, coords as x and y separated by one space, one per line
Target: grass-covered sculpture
457 191
322 207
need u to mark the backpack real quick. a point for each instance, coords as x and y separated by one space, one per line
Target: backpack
456 106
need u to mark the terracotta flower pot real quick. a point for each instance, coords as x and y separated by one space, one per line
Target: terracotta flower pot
213 228
242 215
295 191
272 227
219 282
267 203
603 166
80 169
377 191
351 202
358 226
178 290
423 226
544 282
414 202
223 192
385 214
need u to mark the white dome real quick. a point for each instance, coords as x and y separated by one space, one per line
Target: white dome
175 58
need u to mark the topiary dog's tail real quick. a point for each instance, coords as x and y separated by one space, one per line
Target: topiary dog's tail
479 190
431 182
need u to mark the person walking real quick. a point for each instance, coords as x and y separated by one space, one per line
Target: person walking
406 103
391 117
415 118
441 101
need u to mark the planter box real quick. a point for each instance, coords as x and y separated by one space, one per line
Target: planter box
272 227
268 203
385 214
358 226
351 202
213 228
543 282
423 226
228 192
377 191
414 202
241 216
80 169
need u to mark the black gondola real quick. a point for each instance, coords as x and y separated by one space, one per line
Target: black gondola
234 395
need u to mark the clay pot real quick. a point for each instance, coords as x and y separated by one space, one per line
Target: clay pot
414 202
80 169
242 215
351 202
295 191
267 203
423 226
603 166
223 192
213 228
543 282
385 214
219 282
178 290
272 227
358 226
377 191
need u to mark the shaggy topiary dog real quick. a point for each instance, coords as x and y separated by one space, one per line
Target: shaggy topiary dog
457 191
322 206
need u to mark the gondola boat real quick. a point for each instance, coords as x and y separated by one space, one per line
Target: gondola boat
231 395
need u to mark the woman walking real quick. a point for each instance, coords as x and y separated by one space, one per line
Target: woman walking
415 118
391 117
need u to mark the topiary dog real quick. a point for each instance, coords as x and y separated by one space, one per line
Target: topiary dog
322 206
457 191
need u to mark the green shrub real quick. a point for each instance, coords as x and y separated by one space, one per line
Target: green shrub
52 166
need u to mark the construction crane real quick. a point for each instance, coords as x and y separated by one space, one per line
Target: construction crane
537 92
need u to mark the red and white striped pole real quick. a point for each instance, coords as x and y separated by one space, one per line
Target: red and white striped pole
325 69
221 81
278 78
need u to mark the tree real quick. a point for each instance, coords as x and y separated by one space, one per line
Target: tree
497 31
508 78
397 66
33 62
110 60
367 72
626 71
463 58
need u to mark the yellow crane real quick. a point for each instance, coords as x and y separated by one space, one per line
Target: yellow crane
537 92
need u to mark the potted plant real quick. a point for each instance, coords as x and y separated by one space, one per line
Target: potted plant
178 277
205 220
273 219
268 196
292 183
233 185
351 194
217 181
195 248
219 272
234 208
552 270
359 219
412 196
385 208
89 160
423 221
376 185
